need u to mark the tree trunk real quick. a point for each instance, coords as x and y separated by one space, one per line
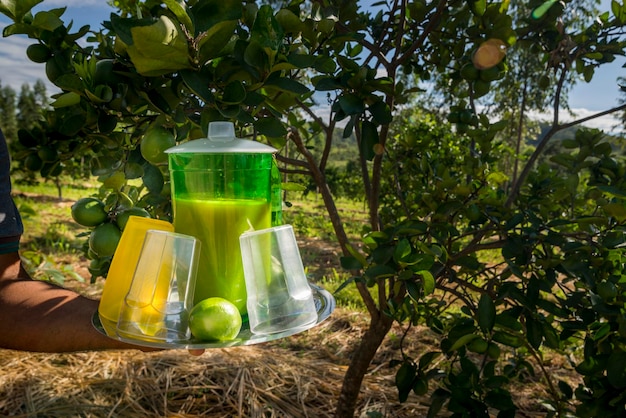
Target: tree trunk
361 360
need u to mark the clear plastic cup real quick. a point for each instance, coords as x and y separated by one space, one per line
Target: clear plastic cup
157 305
279 295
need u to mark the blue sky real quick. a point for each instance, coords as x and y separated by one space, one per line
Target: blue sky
15 69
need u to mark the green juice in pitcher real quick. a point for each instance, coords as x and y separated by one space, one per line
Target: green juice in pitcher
218 225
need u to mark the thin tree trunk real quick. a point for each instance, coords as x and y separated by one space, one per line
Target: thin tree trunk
361 360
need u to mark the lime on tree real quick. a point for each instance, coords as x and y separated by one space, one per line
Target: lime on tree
215 319
104 239
89 211
122 218
154 143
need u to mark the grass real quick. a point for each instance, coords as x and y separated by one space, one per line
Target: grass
320 251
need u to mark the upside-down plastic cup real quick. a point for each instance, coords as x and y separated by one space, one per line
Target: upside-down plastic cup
279 295
122 267
156 307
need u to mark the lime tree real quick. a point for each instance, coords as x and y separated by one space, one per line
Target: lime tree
215 319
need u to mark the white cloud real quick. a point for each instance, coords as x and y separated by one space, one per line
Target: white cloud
71 3
15 68
608 123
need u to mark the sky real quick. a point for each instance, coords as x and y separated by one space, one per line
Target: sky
15 68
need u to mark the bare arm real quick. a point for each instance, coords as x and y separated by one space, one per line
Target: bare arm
40 316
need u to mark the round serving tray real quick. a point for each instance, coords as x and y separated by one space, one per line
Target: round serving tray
324 304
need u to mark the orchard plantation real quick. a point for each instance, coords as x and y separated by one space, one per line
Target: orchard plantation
505 236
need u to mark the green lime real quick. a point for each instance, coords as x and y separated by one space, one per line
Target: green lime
47 154
154 143
32 162
104 239
122 218
215 319
38 53
89 211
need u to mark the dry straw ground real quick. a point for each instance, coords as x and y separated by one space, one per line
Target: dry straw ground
299 376
296 377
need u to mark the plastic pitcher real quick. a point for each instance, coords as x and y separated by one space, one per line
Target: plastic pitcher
222 186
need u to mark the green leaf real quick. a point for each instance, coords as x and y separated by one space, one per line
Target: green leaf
478 7
72 122
486 313
369 138
616 373
153 178
346 283
47 21
351 104
70 82
534 332
404 380
380 271
402 250
66 99
17 9
234 92
323 83
509 339
540 11
428 281
325 65
207 13
461 341
197 82
289 21
266 30
288 85
428 358
215 39
381 113
178 8
356 254
414 290
271 127
439 397
613 191
565 389
158 49
292 187
301 60
350 263
500 399
256 56
615 210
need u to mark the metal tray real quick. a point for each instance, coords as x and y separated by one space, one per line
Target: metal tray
324 304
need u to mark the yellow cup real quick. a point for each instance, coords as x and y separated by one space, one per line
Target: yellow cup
123 266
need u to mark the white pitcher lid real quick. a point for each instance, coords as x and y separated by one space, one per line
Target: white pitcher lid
221 140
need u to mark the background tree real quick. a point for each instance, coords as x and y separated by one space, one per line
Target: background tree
8 110
30 104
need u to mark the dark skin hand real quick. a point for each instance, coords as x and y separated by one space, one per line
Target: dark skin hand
42 317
